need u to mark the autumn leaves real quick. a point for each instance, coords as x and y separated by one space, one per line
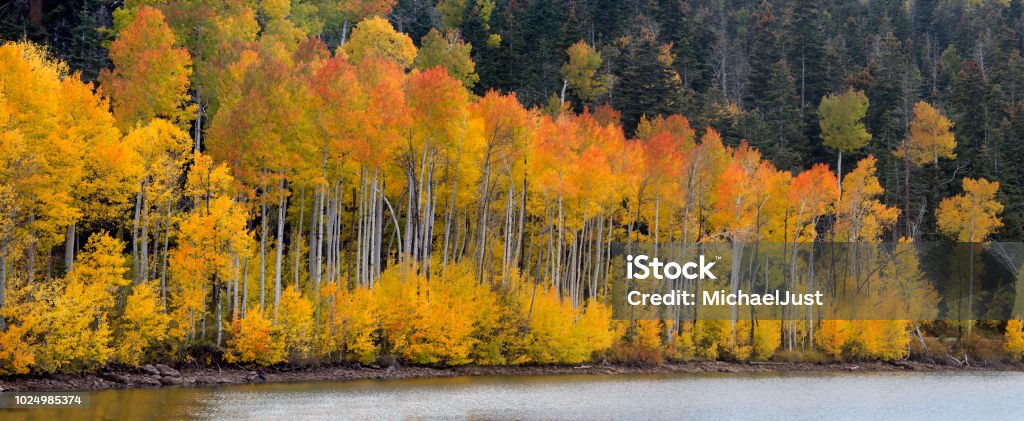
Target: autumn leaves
928 139
150 78
340 205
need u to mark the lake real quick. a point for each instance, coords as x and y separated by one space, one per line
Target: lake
818 396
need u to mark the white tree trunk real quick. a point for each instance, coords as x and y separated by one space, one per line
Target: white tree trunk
282 209
144 240
297 241
263 255
245 285
135 232
69 248
320 239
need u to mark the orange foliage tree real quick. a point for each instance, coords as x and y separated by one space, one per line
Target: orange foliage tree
151 75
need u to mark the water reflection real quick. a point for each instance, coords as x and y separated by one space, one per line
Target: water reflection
975 395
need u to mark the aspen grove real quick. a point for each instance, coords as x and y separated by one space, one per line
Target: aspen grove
245 194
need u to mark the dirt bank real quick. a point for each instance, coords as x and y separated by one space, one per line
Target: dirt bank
161 375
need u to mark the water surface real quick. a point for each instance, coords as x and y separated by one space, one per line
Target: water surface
818 396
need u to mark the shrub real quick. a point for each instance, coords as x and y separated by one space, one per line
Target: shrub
255 340
295 320
142 326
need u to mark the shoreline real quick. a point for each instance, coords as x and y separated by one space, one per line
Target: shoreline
150 376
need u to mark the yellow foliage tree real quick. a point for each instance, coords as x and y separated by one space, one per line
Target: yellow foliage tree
162 149
831 336
710 337
255 340
883 339
593 331
450 308
973 215
1014 337
295 320
894 290
212 237
766 339
351 324
111 166
648 334
376 38
556 330
73 313
47 116
18 340
395 307
143 325
930 137
862 217
434 321
682 347
16 351
970 218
